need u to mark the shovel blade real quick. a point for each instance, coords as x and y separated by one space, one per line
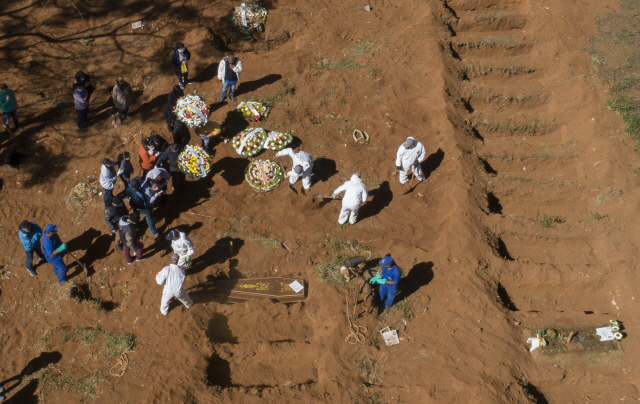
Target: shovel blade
318 197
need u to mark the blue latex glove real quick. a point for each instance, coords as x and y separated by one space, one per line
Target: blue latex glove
62 247
381 281
375 279
187 258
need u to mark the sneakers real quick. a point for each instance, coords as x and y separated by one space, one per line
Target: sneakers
189 82
84 129
386 310
129 262
233 99
32 273
140 260
128 117
182 86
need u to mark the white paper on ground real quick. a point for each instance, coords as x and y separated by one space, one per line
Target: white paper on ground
296 286
390 337
136 25
535 343
605 333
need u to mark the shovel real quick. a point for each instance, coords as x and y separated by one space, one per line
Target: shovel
413 175
320 197
86 271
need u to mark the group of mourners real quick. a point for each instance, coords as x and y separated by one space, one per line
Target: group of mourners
159 163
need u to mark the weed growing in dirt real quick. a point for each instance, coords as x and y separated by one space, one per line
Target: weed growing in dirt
406 307
531 128
349 59
227 233
272 99
265 240
44 340
329 272
112 344
594 216
548 221
636 171
470 71
489 42
522 180
366 398
606 194
484 15
367 368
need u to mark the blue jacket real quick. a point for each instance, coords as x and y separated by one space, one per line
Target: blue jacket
136 198
392 274
30 240
175 59
49 244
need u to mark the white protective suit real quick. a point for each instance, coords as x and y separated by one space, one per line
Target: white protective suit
300 158
107 178
183 247
172 277
410 159
355 194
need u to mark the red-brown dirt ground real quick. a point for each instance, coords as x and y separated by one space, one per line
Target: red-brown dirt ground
499 239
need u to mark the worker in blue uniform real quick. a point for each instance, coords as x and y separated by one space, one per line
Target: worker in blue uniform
54 250
388 279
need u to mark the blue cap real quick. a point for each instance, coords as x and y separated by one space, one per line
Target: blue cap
386 261
49 228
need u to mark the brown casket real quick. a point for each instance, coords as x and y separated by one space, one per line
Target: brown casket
277 289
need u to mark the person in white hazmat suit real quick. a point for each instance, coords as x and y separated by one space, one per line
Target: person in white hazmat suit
410 154
355 194
182 246
172 277
302 166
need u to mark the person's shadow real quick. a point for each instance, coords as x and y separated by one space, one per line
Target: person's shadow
96 244
431 163
382 197
27 394
224 249
420 275
231 169
323 170
249 86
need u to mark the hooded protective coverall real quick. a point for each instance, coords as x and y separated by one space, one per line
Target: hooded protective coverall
355 193
172 277
410 159
303 159
183 247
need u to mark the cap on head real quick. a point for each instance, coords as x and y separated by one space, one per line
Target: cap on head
357 174
49 228
119 80
134 217
386 261
117 201
135 183
175 258
25 226
410 142
297 169
173 234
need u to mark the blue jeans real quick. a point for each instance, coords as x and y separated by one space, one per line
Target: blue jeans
39 254
225 85
59 268
388 294
108 193
122 113
14 115
183 78
149 218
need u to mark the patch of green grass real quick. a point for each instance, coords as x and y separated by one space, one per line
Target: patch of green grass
44 340
111 344
343 101
227 233
272 99
636 171
329 272
593 216
487 16
624 84
349 59
118 343
522 180
341 249
606 194
531 128
629 110
406 307
468 71
265 240
548 221
338 245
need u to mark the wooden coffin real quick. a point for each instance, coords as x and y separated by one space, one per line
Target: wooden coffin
277 289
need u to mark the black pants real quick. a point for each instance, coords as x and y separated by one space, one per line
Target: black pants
82 116
178 180
183 78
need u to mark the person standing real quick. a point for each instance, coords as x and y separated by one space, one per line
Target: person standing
114 209
229 71
125 169
148 154
355 194
108 178
408 158
302 167
54 251
30 234
177 177
388 279
172 101
122 99
84 80
138 202
9 107
181 134
81 97
129 236
172 278
180 59
182 246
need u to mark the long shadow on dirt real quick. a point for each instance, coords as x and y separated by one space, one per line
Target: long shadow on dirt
250 86
96 244
432 162
420 275
219 372
323 170
26 394
207 74
231 169
224 249
382 197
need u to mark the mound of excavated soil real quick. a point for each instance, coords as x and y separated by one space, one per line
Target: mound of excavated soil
525 220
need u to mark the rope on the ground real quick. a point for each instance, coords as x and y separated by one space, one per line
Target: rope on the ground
356 335
120 368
